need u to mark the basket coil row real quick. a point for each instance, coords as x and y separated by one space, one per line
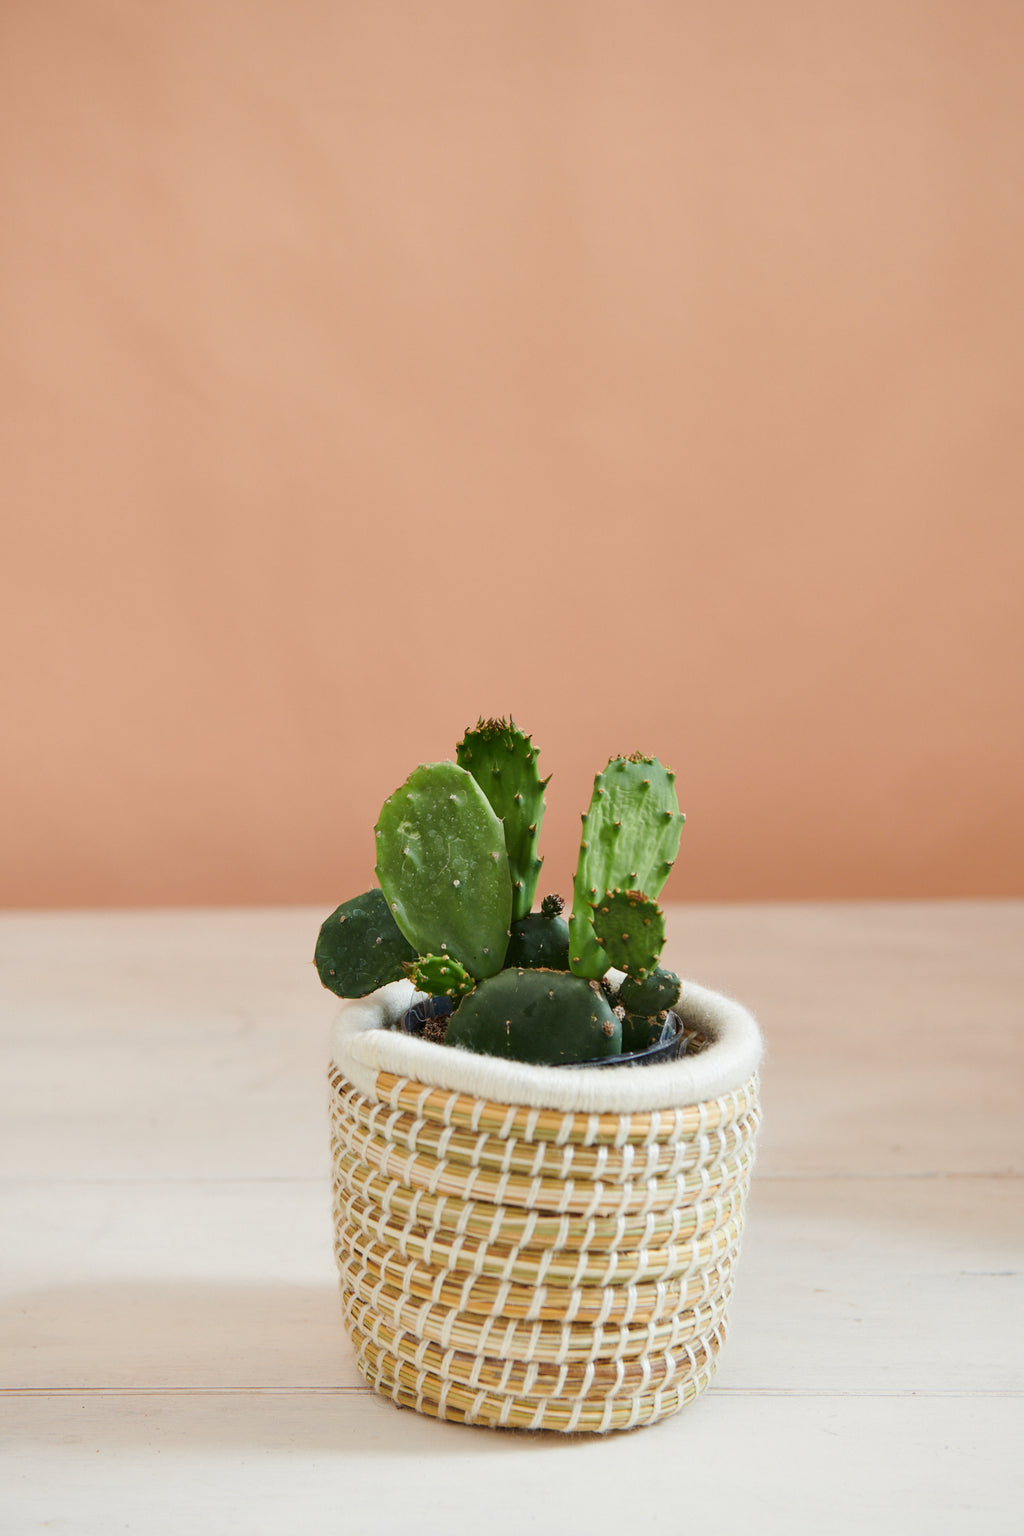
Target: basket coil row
531 1268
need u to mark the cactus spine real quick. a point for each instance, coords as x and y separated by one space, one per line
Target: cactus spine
442 866
504 763
630 839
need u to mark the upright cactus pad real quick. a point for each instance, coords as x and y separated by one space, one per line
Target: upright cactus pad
359 947
629 841
539 940
442 865
439 976
631 930
538 1016
504 763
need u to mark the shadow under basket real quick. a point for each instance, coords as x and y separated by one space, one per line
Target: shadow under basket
532 1247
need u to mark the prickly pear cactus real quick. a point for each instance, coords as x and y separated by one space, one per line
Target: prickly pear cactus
504 763
631 931
541 939
640 1032
537 1016
359 947
439 976
442 865
629 841
656 994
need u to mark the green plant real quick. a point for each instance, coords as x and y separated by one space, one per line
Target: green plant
645 1005
458 867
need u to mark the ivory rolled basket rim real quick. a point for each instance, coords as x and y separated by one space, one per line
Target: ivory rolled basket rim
364 1044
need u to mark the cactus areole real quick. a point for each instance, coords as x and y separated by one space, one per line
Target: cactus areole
458 865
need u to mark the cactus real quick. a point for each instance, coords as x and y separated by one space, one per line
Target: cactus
538 1016
630 839
457 863
630 930
442 866
541 939
439 976
504 763
656 994
647 1003
359 948
639 1032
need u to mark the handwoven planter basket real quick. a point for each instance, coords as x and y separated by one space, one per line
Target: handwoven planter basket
534 1247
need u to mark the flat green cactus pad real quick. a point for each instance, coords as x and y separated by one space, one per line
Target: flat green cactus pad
655 994
442 865
630 838
537 1016
631 930
359 947
539 941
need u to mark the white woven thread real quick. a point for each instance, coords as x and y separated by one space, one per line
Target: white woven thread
363 1045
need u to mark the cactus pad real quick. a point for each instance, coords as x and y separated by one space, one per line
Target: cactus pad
631 930
439 976
359 947
537 1016
504 763
539 941
658 992
442 865
630 838
639 1032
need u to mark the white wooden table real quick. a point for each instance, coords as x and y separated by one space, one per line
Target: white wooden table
171 1352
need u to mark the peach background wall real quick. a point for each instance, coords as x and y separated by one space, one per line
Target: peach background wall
650 370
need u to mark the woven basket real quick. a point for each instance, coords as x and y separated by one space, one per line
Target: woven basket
534 1247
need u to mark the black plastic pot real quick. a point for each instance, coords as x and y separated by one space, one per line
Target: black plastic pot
415 1021
671 1044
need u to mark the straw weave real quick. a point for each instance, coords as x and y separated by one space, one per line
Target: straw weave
532 1267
